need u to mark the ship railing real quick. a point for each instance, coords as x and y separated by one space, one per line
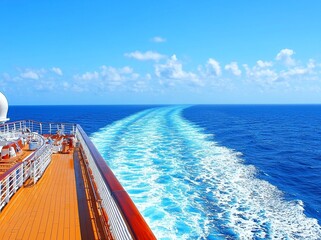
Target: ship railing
38 127
10 182
31 168
9 129
41 159
51 127
124 219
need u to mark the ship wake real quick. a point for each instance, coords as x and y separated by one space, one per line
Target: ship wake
188 187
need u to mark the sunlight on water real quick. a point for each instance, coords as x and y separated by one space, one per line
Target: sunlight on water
188 187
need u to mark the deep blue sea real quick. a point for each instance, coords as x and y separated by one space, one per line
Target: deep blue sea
210 171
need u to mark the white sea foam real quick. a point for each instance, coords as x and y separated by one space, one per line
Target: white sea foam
187 186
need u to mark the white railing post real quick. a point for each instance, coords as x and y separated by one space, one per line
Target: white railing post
14 182
34 171
7 190
25 171
21 175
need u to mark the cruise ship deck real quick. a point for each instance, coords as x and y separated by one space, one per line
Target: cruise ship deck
60 187
46 210
54 184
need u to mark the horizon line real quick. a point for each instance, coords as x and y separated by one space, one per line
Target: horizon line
161 104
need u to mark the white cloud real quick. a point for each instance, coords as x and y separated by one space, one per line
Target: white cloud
107 78
297 71
45 86
149 55
266 74
115 77
263 76
45 80
126 70
66 85
148 76
171 69
311 64
88 76
171 73
292 76
34 74
142 85
30 74
57 71
264 64
234 68
213 67
294 73
285 56
158 39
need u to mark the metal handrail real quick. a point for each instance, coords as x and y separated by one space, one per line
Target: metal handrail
125 220
39 127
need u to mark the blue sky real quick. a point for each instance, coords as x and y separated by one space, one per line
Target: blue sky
160 52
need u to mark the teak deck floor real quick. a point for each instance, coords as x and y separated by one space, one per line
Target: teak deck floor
46 210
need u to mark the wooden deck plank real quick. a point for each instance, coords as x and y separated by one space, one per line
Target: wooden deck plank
47 210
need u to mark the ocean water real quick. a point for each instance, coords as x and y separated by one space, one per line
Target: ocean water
210 172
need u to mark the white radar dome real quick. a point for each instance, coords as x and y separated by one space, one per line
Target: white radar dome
3 108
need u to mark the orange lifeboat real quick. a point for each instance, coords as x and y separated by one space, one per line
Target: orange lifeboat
11 149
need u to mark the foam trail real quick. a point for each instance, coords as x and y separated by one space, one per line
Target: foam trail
188 187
